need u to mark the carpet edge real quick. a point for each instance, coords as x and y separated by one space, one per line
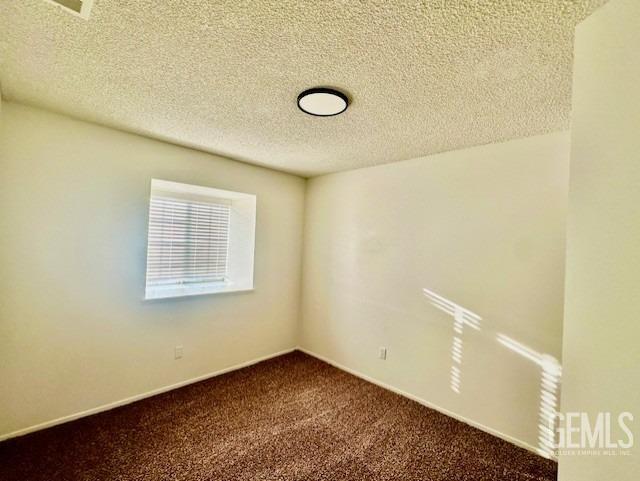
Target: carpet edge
139 397
493 432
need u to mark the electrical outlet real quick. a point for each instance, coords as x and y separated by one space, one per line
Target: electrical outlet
382 353
178 352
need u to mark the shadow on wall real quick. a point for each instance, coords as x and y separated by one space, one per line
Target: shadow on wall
551 370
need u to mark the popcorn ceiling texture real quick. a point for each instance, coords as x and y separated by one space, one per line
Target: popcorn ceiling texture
223 76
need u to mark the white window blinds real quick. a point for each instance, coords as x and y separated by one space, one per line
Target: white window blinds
188 241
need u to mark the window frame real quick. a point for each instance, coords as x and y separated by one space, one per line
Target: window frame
240 240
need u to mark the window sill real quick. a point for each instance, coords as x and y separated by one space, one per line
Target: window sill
166 292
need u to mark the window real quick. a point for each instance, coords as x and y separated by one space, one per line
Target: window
200 241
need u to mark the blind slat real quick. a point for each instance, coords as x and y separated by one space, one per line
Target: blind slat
187 242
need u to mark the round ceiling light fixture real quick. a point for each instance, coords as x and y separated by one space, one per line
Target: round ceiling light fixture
322 102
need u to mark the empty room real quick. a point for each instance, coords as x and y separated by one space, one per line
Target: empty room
319 240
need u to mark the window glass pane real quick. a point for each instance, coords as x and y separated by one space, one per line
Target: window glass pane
201 240
188 242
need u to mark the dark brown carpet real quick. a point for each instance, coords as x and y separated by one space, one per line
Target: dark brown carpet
290 418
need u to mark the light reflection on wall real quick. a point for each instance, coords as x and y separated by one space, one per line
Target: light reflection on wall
550 382
461 317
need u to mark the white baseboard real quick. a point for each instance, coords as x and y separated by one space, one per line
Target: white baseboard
481 427
137 397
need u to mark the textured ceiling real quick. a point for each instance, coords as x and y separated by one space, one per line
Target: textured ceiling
223 76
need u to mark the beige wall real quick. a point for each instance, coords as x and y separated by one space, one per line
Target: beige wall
483 227
602 323
76 334
74 330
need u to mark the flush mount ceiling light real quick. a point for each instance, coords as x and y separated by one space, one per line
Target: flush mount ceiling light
322 102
